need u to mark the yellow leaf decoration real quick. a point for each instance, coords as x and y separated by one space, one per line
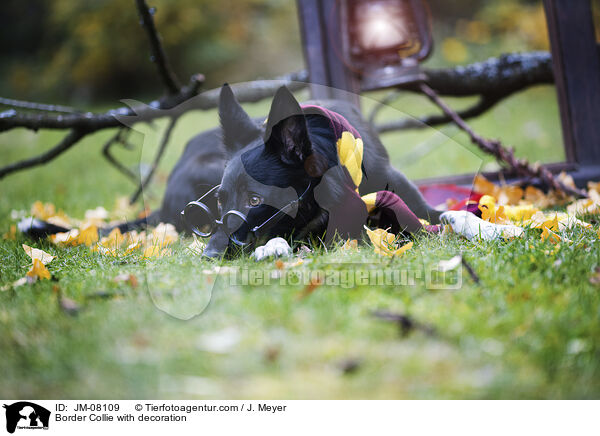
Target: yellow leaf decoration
350 152
38 270
386 244
37 254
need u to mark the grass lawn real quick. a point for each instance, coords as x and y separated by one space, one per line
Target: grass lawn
529 330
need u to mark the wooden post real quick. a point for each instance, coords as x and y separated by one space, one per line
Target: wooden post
322 41
577 77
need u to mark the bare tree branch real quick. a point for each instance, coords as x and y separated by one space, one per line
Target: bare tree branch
67 142
494 80
382 104
503 75
37 106
119 138
484 104
159 154
96 121
245 92
503 155
158 56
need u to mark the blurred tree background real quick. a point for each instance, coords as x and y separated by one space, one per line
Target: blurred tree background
77 51
84 51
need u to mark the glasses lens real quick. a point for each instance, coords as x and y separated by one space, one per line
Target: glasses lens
236 226
199 219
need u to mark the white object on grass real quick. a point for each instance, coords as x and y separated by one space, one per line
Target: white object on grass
450 264
276 247
470 226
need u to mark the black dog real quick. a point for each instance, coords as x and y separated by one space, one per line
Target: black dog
264 167
295 157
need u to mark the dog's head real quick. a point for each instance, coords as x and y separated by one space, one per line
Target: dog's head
271 171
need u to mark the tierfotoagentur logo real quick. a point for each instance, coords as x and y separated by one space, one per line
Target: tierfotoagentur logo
25 415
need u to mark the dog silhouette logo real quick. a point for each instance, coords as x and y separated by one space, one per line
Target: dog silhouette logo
26 415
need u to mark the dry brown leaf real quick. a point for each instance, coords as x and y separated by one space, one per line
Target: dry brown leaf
128 278
315 282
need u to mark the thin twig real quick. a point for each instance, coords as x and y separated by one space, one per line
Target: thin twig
405 323
161 149
119 138
386 101
66 143
503 155
158 55
470 270
37 106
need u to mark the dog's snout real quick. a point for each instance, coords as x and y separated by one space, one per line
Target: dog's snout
216 246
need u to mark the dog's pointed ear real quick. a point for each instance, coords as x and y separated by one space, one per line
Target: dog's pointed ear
238 128
286 133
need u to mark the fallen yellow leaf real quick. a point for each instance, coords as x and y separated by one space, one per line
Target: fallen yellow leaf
38 270
43 211
164 234
350 244
484 186
386 244
156 251
65 238
11 234
510 195
114 239
88 235
549 235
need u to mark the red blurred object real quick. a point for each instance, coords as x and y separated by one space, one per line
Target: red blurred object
442 193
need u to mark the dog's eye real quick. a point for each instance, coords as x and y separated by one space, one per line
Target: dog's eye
254 200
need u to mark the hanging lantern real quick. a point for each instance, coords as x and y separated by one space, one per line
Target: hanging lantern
384 40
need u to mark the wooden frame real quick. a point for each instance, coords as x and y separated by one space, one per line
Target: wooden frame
577 77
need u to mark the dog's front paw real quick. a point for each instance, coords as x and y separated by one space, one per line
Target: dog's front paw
276 247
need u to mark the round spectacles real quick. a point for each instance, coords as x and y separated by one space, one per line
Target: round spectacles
202 222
